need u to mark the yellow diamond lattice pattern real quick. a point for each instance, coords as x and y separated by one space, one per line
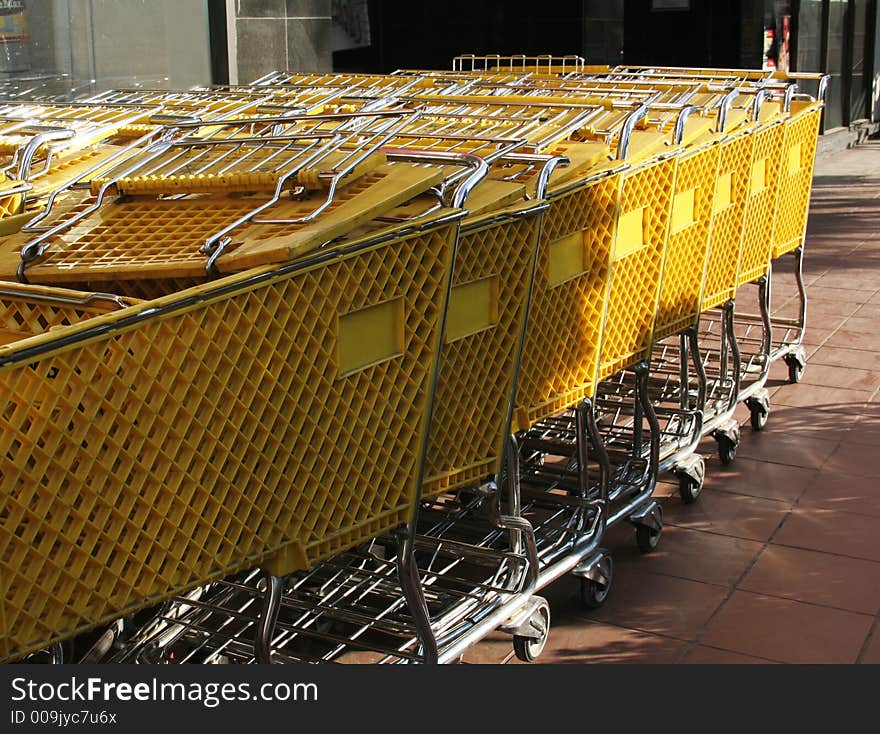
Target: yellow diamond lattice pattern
155 458
635 279
727 222
754 257
684 263
795 185
468 427
565 319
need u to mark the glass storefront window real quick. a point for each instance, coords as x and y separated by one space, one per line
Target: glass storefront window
72 47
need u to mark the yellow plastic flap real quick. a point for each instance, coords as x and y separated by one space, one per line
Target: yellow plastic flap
491 195
646 143
697 130
583 159
369 336
272 243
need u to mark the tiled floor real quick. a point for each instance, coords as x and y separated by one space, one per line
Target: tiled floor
779 560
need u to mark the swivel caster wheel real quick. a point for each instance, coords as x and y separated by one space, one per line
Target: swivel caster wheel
690 472
727 448
648 538
758 418
759 410
528 648
796 366
594 591
689 488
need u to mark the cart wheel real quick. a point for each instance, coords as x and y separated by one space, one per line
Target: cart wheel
758 418
727 447
689 488
647 539
795 370
594 594
528 649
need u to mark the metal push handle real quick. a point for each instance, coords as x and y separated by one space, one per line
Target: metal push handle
724 109
790 91
681 121
479 166
760 97
634 119
45 134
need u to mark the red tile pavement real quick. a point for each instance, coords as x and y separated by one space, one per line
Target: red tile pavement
831 531
779 559
787 631
662 605
579 641
847 492
702 655
817 578
726 513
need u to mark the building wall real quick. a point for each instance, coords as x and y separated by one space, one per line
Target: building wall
270 35
120 42
603 31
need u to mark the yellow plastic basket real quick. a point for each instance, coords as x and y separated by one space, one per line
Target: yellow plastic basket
275 416
564 330
755 249
640 241
796 176
688 243
482 344
728 214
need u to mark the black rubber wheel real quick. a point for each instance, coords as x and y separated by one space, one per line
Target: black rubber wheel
758 418
528 649
689 489
594 594
726 450
647 539
795 371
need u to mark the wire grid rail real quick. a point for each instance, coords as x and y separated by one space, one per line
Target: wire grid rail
349 608
727 77
679 426
259 154
200 104
49 135
311 99
477 126
541 63
751 338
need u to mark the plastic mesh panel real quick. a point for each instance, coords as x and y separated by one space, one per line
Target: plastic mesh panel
156 458
476 371
635 279
565 318
728 214
796 179
754 257
686 248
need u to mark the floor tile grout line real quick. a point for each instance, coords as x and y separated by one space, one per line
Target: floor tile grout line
827 553
874 632
769 594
